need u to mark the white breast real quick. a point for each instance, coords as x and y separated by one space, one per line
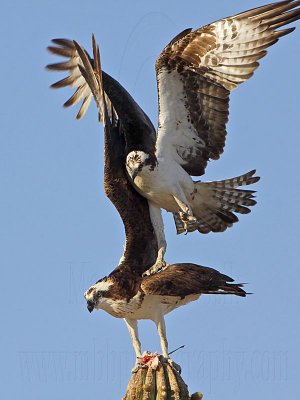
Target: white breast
154 305
122 308
160 185
145 307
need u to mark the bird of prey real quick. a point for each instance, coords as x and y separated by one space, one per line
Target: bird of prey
195 73
125 293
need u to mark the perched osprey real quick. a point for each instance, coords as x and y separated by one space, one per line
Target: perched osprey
152 297
195 74
125 293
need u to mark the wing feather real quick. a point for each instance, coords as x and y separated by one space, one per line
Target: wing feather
196 72
189 279
67 48
119 127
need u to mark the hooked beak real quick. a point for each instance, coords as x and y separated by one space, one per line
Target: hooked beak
133 172
134 175
90 306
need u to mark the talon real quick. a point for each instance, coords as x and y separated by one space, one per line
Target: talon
159 265
137 366
184 218
193 194
174 365
135 369
185 227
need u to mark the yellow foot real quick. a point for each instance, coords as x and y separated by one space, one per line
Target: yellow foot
155 268
186 219
137 366
174 365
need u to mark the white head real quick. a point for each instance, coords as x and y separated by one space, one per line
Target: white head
97 294
135 161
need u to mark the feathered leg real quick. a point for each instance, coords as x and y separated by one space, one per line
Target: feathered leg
185 212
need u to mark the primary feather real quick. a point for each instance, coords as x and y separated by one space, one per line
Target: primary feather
195 74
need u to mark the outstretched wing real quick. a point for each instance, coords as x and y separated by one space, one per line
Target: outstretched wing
138 129
196 72
66 48
122 118
76 79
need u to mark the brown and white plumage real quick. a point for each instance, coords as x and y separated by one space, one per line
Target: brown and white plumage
226 200
206 64
124 293
195 74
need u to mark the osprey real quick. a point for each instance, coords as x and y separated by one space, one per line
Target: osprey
195 73
125 293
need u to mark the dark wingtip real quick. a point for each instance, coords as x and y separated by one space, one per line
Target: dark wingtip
51 67
255 179
62 42
77 45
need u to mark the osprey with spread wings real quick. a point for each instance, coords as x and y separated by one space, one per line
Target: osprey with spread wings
196 71
195 74
125 293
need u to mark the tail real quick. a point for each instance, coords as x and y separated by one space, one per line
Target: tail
230 288
215 203
214 282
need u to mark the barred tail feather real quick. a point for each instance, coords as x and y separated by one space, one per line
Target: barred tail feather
242 180
215 203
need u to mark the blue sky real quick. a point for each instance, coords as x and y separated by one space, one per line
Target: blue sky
59 233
